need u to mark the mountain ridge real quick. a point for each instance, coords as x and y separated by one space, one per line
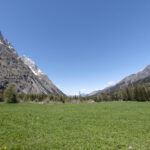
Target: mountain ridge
131 80
41 75
14 71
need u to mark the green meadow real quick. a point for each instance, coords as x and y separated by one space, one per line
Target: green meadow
95 126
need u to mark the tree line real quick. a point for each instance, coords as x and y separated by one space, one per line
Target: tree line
137 93
10 96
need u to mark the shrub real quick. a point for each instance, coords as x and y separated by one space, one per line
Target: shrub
10 94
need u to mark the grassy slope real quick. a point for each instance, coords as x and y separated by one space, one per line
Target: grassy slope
106 126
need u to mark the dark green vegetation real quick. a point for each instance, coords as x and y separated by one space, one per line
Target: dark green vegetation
10 94
104 126
136 93
48 98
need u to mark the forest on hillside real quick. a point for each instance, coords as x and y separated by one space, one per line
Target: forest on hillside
135 93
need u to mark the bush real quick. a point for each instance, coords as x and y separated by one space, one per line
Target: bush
1 96
10 94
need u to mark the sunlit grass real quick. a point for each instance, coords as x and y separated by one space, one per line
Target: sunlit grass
104 126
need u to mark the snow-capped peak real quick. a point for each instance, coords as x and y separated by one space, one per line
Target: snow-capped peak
31 64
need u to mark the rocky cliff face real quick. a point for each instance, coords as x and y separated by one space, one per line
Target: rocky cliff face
46 82
16 71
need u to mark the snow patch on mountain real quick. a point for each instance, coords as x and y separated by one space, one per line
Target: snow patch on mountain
31 64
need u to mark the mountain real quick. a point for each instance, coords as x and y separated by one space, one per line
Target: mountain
22 72
83 95
46 82
141 77
94 93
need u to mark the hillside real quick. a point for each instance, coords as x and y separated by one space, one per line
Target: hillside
14 71
139 78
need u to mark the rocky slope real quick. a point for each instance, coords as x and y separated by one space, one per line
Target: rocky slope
46 82
13 70
141 77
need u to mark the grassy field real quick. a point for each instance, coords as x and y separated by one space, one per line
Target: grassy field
102 126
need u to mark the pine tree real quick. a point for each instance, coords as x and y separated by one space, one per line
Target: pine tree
136 94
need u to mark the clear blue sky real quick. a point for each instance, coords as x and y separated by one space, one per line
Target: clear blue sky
81 44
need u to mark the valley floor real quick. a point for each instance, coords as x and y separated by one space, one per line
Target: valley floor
102 126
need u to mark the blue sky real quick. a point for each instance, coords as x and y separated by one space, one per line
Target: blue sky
82 45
